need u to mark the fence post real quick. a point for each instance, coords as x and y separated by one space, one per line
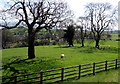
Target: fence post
41 77
15 81
62 74
106 65
116 64
79 73
93 68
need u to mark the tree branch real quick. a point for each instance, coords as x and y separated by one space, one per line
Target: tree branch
10 27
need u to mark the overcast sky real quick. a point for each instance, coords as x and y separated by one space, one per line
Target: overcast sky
77 6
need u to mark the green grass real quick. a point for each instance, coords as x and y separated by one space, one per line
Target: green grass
103 43
105 76
115 36
48 57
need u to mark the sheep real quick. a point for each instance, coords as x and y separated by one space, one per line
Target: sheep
62 55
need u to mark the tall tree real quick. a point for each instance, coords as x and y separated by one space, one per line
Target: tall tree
69 34
83 26
101 16
35 15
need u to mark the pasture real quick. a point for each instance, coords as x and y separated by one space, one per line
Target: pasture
115 36
48 57
111 76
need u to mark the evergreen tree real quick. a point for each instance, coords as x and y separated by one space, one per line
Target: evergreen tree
69 34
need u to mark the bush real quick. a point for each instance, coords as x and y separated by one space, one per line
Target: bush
7 37
42 42
19 44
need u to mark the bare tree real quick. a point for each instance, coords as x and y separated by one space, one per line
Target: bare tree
35 15
83 26
101 16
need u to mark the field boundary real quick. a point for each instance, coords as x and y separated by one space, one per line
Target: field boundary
62 74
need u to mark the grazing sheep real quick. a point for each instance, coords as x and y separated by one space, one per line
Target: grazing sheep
62 55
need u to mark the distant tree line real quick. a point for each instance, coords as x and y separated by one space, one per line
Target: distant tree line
19 38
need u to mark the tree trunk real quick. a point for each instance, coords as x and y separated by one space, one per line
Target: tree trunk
70 41
82 43
97 44
31 50
97 40
4 45
82 37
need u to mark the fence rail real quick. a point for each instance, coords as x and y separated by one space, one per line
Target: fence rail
63 73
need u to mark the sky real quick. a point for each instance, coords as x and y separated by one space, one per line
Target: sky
77 6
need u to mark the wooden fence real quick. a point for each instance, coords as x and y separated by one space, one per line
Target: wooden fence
63 73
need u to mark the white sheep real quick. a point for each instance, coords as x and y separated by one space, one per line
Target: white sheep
62 55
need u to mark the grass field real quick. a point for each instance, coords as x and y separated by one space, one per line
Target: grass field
48 57
115 36
99 78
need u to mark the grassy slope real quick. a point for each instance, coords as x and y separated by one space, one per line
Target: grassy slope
102 77
109 76
48 57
